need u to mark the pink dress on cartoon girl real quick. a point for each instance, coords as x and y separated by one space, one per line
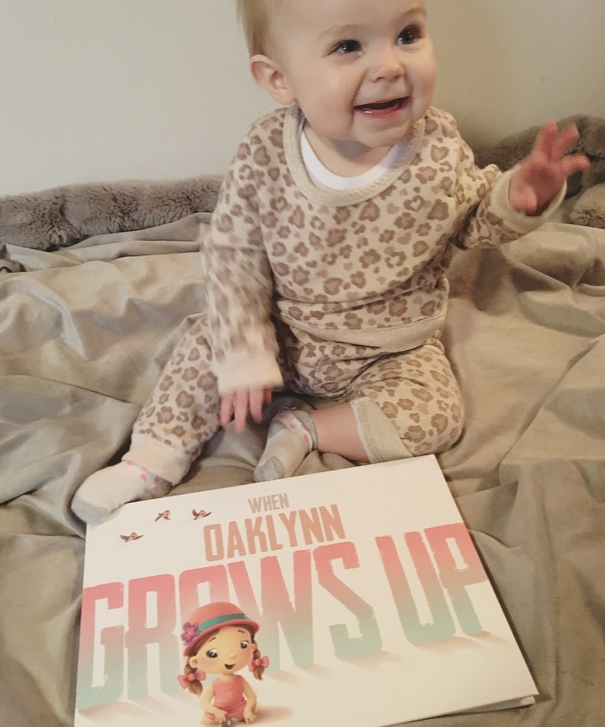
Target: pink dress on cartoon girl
229 696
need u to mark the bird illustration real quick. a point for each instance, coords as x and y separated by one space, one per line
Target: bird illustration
163 515
201 513
132 536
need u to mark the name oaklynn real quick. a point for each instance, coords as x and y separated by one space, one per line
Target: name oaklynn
272 532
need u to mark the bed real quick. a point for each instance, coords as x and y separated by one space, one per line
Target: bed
89 312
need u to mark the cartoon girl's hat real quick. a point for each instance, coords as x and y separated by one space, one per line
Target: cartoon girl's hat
210 617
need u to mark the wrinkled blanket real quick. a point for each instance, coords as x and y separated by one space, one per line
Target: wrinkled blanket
85 331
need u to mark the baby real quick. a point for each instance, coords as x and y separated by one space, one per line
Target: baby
326 257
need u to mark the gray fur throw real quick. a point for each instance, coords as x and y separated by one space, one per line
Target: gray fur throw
65 215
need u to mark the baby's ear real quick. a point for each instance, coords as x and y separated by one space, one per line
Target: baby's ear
268 74
193 661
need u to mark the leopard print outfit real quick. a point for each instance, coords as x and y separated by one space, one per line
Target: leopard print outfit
332 294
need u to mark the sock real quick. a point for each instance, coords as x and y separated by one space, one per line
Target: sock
105 490
290 438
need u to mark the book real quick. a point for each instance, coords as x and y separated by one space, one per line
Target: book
357 595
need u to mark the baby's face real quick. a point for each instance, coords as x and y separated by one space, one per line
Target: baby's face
361 71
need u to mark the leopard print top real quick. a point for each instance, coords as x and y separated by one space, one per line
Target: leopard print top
364 266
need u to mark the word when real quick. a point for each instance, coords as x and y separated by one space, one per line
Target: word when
276 501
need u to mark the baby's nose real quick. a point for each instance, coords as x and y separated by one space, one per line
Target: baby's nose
387 65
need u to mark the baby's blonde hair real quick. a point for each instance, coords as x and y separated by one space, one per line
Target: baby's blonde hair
254 16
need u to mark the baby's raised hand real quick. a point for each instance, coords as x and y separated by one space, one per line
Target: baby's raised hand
540 176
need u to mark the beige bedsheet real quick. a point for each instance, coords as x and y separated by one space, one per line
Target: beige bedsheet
85 331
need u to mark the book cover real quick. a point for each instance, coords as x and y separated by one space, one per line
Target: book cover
348 597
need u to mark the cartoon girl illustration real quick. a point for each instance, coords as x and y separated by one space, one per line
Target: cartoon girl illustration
220 639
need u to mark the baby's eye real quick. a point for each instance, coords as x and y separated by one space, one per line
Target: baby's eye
348 46
409 35
244 644
212 654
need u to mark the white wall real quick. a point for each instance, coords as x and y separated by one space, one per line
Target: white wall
111 89
108 89
505 65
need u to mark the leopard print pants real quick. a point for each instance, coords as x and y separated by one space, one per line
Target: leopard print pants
416 390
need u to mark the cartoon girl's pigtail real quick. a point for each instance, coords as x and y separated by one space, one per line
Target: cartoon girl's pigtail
191 679
258 664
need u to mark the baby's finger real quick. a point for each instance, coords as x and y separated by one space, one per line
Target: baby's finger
256 404
545 139
574 163
563 141
240 410
226 409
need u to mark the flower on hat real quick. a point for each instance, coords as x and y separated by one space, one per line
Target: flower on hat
190 631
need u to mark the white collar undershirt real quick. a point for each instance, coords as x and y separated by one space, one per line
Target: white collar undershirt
324 176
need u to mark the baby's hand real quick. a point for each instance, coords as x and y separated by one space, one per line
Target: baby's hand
539 178
236 404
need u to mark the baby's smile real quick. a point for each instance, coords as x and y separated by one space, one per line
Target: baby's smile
381 109
394 102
